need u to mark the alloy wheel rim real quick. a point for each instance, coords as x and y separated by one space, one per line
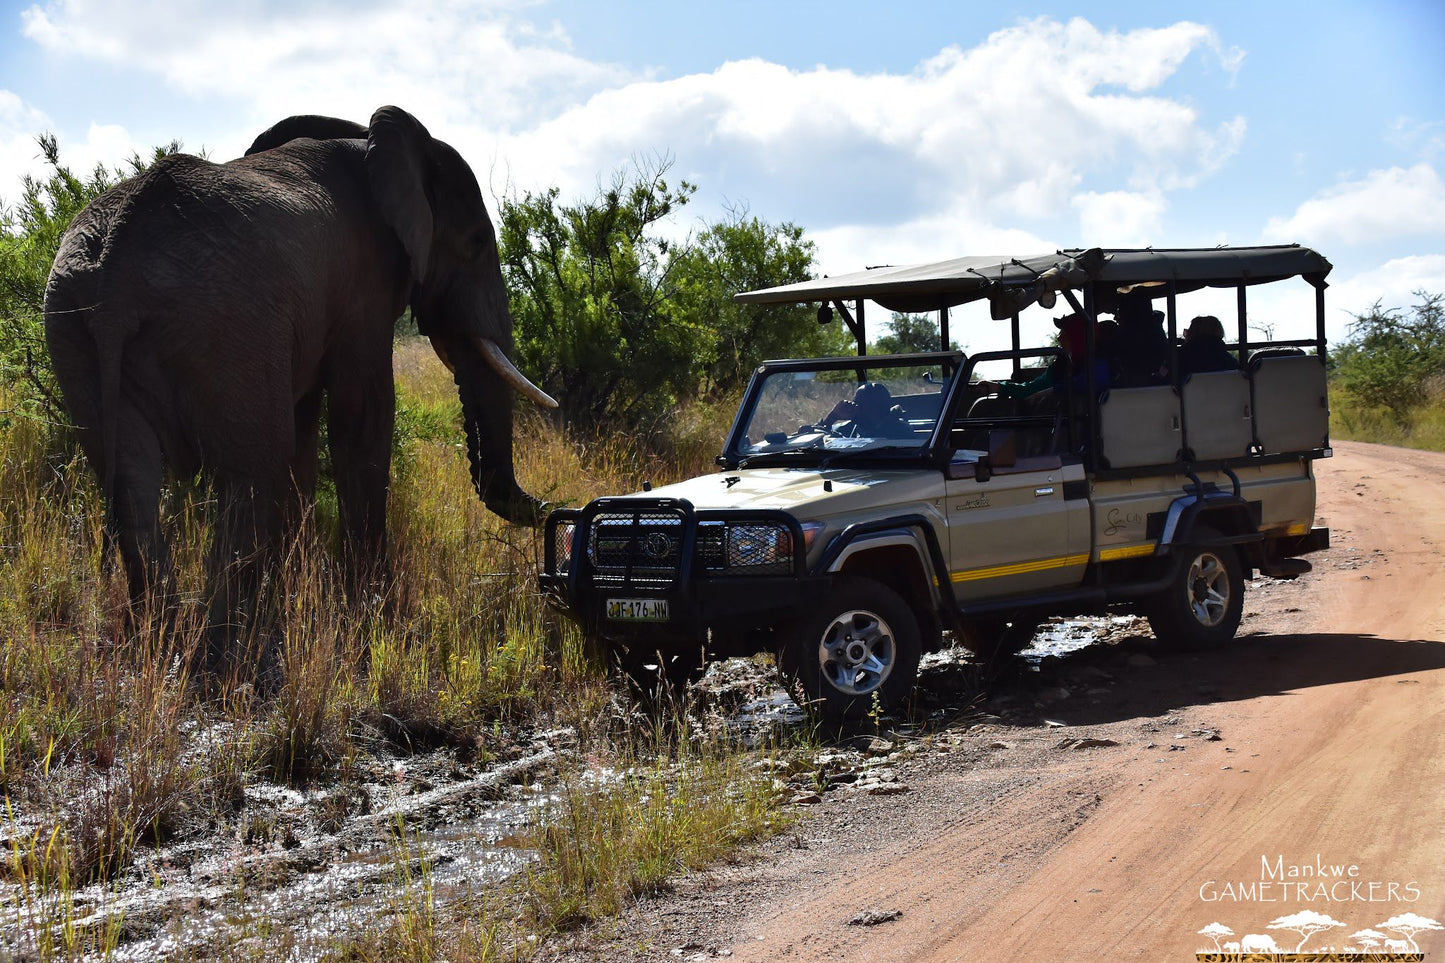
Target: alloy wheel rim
1208 589
857 652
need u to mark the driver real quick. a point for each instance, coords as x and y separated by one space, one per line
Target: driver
873 413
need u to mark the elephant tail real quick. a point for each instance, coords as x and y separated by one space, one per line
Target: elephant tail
110 351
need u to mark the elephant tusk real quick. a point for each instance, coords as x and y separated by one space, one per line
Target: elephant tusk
497 358
442 354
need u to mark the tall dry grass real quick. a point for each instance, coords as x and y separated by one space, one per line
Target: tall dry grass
108 745
1423 427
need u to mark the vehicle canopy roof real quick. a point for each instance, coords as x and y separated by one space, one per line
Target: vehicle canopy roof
1012 283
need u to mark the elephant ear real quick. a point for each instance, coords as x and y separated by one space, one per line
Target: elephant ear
306 125
396 170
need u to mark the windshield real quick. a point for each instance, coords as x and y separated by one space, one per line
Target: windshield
861 409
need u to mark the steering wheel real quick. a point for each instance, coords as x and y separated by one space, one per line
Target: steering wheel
826 429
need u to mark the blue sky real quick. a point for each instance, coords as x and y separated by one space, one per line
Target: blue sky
892 132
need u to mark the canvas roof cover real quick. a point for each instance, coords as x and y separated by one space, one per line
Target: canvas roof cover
1011 283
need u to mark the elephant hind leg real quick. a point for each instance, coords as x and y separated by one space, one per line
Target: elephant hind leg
245 550
133 520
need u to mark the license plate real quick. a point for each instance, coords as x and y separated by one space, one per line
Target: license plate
637 610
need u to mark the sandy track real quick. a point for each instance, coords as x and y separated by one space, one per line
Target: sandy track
1333 722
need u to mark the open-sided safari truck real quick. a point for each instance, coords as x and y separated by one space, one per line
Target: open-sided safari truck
865 504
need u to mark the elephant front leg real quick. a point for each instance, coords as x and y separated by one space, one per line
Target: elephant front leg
361 412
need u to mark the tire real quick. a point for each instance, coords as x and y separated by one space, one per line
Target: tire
858 650
1201 609
999 638
658 676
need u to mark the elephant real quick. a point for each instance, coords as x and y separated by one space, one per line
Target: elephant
198 314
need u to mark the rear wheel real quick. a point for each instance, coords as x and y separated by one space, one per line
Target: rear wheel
1201 609
857 651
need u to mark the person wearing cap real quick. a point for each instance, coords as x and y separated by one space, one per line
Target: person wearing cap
1203 348
1141 350
1072 340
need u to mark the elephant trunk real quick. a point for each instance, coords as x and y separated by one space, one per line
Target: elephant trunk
487 420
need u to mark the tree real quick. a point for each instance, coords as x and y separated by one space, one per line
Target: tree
744 253
1369 939
1215 931
30 234
1392 354
1306 923
586 285
1409 924
621 322
911 333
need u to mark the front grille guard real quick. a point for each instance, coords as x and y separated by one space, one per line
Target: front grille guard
694 557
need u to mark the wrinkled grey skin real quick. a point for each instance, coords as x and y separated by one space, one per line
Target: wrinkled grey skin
198 313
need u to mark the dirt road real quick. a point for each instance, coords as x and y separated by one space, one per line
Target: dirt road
1318 739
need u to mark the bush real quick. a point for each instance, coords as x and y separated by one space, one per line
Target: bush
1392 355
621 322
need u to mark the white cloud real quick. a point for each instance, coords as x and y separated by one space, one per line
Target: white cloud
1025 128
1120 218
452 61
1010 129
1385 204
20 124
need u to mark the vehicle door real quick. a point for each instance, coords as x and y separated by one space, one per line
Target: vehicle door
1024 529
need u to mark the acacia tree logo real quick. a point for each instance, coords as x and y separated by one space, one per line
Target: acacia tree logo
1307 923
1214 931
1409 924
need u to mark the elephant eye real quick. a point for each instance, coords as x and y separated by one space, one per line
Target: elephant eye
480 242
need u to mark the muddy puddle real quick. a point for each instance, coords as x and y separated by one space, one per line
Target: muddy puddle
312 866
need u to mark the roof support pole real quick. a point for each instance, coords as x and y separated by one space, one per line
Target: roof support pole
1320 321
943 329
1255 446
1243 327
1014 329
855 325
1090 349
1175 375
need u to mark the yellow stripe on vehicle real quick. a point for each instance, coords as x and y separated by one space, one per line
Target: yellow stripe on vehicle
1299 528
1019 568
1125 551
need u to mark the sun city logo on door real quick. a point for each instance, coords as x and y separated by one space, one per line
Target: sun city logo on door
1288 937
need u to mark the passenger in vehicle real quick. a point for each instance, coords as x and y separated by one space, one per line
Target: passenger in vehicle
1066 372
1203 348
872 413
1141 350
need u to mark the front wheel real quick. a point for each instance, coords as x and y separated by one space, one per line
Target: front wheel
857 651
1202 607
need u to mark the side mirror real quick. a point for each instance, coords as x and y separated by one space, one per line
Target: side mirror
982 470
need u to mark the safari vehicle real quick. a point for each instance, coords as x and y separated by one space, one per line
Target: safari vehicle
866 504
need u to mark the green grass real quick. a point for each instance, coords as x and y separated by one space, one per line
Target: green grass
1423 427
100 726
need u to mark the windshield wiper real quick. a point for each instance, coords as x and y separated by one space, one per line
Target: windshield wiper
786 454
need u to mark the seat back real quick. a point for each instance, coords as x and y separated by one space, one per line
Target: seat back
1139 426
1291 406
1217 406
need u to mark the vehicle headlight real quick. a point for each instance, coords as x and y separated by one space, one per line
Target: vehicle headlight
562 546
811 531
753 545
